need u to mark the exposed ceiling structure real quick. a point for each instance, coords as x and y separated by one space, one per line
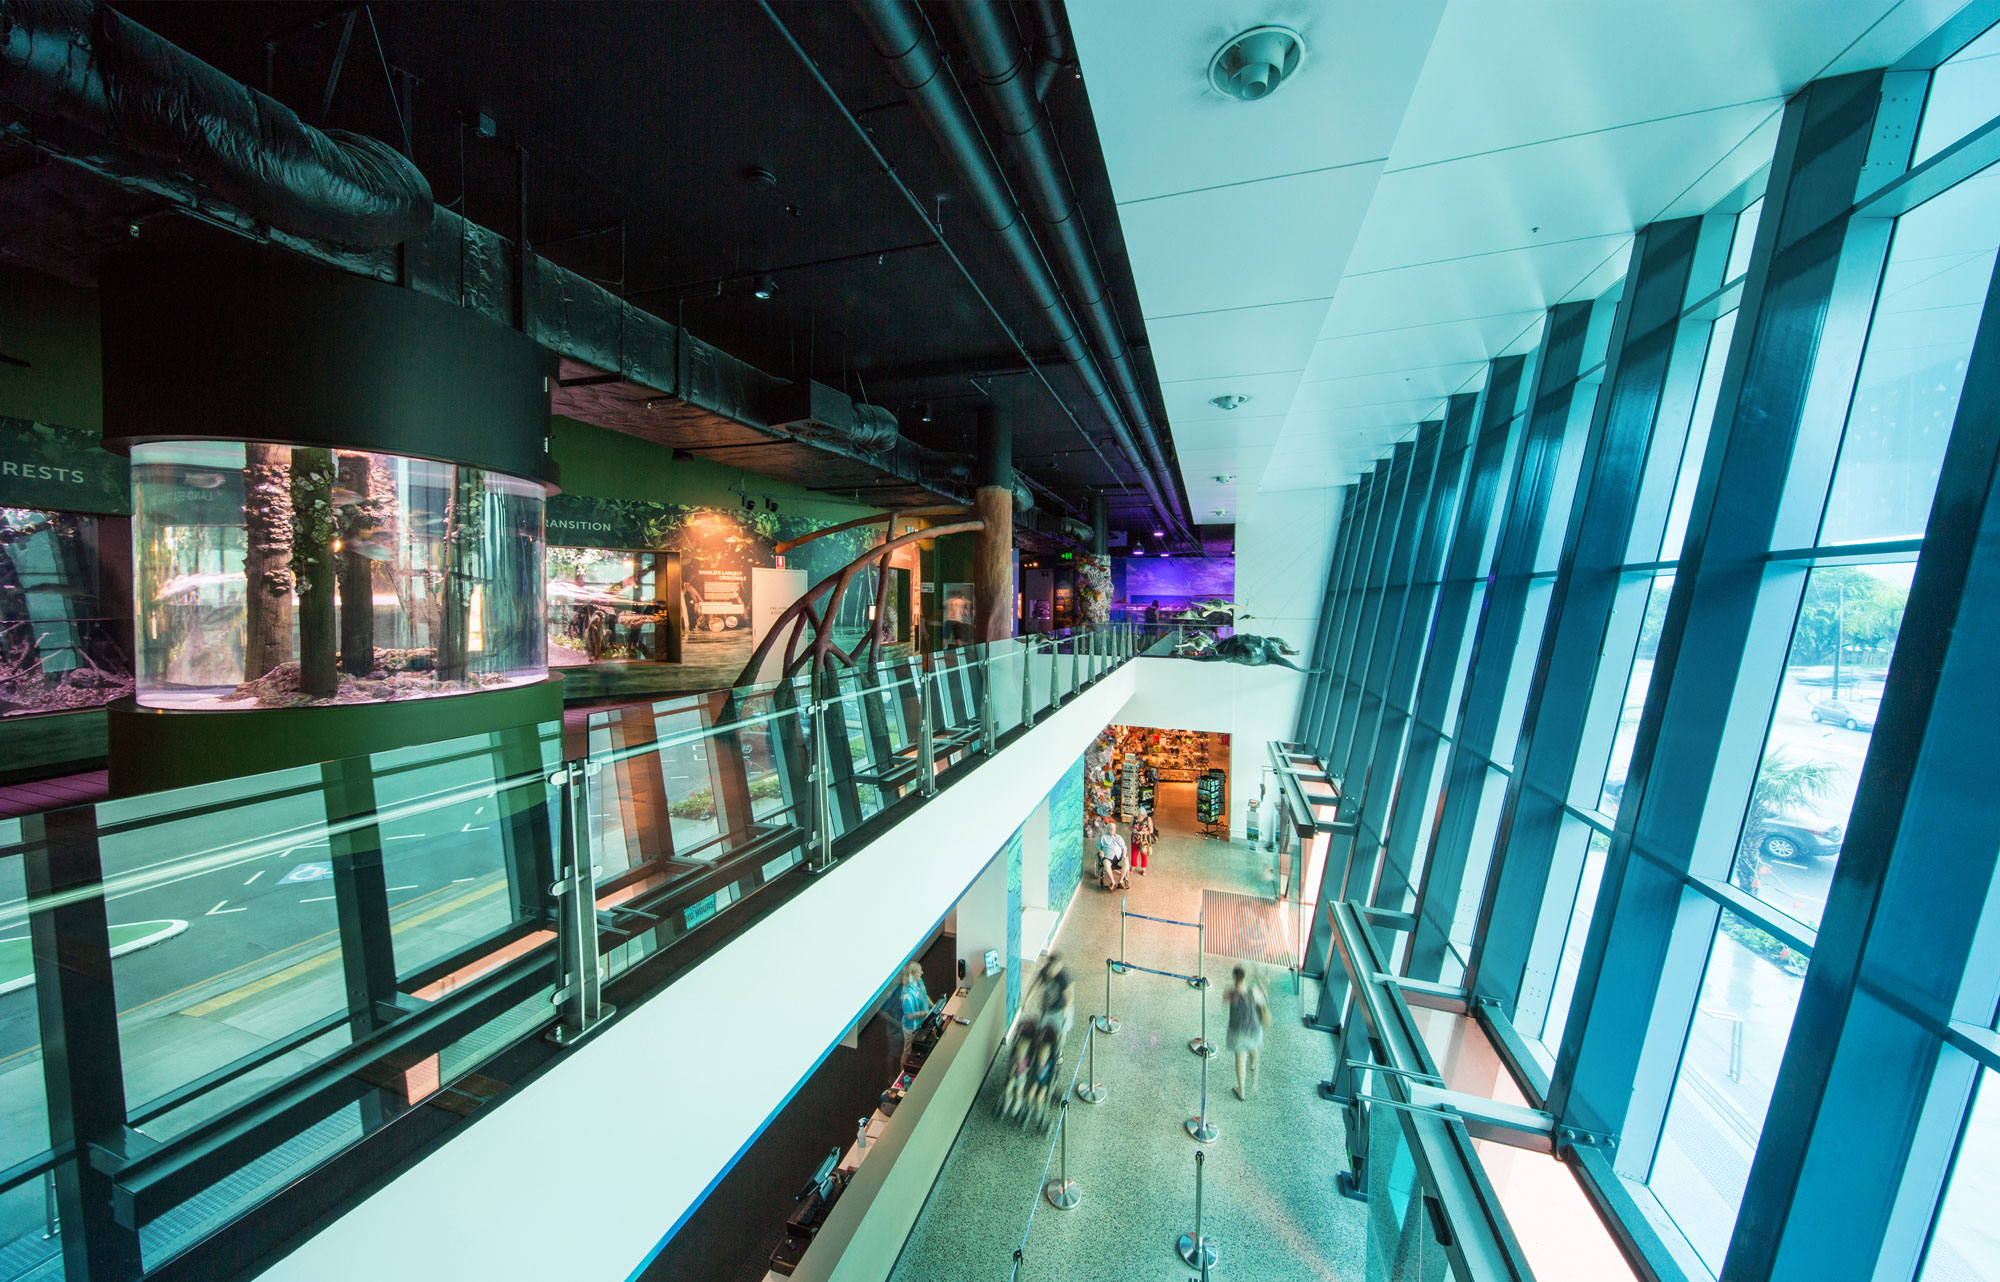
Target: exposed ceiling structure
722 165
1354 248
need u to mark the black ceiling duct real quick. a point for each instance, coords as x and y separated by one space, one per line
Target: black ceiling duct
903 39
1003 69
110 92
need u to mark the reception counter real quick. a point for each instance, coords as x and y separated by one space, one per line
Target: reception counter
894 1171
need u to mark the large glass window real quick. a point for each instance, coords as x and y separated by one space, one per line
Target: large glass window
1928 310
1723 1090
1820 729
1965 1244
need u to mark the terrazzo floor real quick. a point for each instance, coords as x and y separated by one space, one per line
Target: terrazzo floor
1270 1201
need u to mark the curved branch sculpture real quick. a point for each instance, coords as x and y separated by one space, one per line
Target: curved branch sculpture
819 651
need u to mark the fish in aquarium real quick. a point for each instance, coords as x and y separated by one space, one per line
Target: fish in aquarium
204 480
346 498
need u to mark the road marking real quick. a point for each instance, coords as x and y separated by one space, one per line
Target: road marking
220 909
412 837
254 876
318 900
456 880
393 889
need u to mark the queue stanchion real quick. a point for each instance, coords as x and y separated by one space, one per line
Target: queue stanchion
1201 1045
1104 1022
1196 1248
1199 1127
1062 1192
1092 1091
1122 915
1200 942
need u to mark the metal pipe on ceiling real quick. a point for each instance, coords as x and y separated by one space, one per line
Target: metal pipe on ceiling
900 36
1003 68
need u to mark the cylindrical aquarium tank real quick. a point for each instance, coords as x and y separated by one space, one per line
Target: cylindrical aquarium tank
337 490
278 576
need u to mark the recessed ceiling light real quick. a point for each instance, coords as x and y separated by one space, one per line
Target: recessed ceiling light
1252 65
1159 534
1229 402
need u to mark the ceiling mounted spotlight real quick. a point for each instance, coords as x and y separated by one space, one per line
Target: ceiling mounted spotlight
758 178
1255 63
1227 403
924 412
1222 511
1159 534
1225 479
749 504
764 287
770 505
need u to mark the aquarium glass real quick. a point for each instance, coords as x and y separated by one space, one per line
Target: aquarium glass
62 644
284 576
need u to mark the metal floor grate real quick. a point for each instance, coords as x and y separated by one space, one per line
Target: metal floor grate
1247 927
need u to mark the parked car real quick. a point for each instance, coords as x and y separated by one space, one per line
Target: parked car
1835 713
1800 839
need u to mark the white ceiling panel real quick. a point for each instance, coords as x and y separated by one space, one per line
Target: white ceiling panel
1593 185
1191 400
1164 130
1420 347
1503 76
1222 433
1383 389
1253 340
1188 250
1522 144
1482 285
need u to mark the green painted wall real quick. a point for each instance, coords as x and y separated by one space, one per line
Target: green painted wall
611 465
53 327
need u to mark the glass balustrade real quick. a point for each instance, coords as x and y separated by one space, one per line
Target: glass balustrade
218 991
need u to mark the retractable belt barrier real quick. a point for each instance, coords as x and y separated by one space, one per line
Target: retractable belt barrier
1199 1045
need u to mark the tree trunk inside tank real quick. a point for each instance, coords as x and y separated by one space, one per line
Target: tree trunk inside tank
313 565
357 521
462 525
267 559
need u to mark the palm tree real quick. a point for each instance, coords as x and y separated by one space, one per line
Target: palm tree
1783 787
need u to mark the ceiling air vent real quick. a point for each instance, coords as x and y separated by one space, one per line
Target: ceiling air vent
1254 64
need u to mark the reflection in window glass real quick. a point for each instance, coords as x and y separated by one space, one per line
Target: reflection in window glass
1933 290
1723 1090
1964 94
1699 428
1742 239
1635 693
1965 1244
1571 963
1820 729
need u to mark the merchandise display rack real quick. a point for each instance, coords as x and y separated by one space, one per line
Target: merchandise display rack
1211 808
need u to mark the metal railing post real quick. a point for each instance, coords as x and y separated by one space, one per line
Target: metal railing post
1055 670
1027 684
1195 1248
989 733
1092 1091
1075 666
1201 1045
579 969
1199 1127
1106 1024
927 732
821 855
1062 1192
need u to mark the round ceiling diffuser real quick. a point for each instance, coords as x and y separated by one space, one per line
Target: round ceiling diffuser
1252 65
